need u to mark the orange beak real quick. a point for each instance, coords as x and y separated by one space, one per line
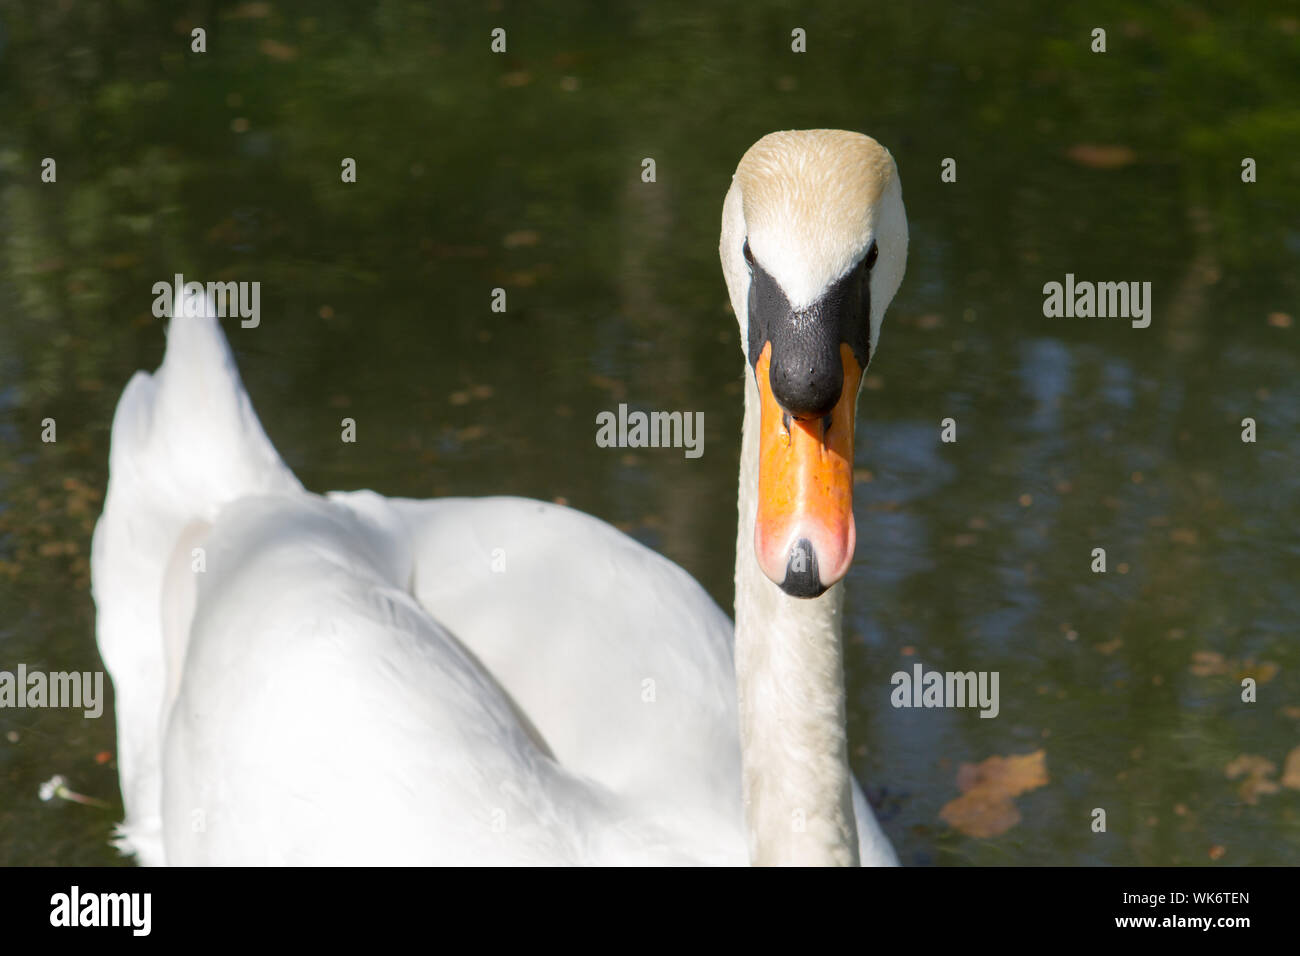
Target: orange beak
804 535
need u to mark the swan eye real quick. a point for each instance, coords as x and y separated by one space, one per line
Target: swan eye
749 256
870 259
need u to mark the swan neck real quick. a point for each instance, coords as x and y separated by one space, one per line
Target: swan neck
790 682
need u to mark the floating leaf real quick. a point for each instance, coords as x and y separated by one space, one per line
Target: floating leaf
1101 157
979 814
616 388
250 11
1291 770
276 50
985 809
1263 672
1208 663
1257 771
1213 664
520 238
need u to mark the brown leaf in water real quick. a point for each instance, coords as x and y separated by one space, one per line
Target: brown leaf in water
1248 764
1011 776
122 260
616 388
985 809
1101 157
981 815
1291 770
520 238
1208 663
1213 664
1263 672
250 11
276 50
1257 770
1253 787
527 278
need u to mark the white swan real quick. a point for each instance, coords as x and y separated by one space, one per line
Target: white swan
354 679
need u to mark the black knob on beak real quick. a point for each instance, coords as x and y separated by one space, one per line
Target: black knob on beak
807 375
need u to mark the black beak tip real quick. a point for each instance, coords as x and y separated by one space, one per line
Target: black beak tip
802 579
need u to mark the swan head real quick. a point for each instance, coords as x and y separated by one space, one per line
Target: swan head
814 244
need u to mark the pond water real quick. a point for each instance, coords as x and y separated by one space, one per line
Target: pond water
523 170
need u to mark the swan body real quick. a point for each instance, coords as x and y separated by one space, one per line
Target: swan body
353 679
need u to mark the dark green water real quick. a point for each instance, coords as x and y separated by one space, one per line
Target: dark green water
522 171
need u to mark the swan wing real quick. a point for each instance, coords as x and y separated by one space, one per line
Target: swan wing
617 656
324 716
